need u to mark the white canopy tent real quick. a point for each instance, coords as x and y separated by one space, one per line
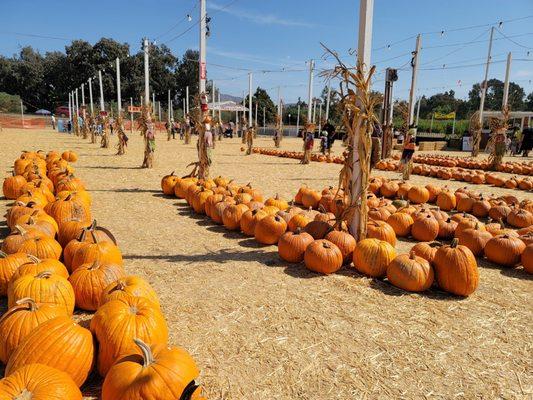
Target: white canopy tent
227 106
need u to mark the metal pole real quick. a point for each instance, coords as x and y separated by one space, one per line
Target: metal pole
484 83
83 94
412 92
169 102
119 95
219 110
250 115
146 72
69 108
298 120
203 55
366 12
506 85
256 113
131 114
328 100
77 104
187 98
102 105
91 95
310 91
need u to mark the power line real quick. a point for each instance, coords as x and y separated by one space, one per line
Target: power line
513 41
187 16
35 36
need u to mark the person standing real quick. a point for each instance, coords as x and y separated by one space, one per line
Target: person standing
53 118
332 134
409 144
69 127
309 142
527 139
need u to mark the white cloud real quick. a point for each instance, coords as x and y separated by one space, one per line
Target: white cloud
262 19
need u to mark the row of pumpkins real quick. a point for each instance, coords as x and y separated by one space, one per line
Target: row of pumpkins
298 155
476 177
318 239
57 259
512 167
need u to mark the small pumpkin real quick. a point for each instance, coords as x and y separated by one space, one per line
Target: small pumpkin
232 214
446 228
504 250
298 221
42 247
249 219
323 256
12 186
446 200
9 264
527 258
382 231
345 242
277 202
34 265
426 250
401 223
410 272
475 239
168 182
520 218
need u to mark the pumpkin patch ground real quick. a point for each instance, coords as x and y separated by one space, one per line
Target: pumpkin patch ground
261 328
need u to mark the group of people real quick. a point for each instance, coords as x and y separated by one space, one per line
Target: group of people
520 141
327 135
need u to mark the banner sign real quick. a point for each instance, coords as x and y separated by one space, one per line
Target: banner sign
445 116
203 72
103 113
134 109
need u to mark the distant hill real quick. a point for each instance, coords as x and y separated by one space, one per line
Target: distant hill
229 97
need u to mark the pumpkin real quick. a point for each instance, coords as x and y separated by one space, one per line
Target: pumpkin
167 184
298 221
372 256
465 204
199 200
70 183
20 320
401 223
456 269
249 219
403 189
9 264
382 231
426 250
389 189
527 258
499 212
59 343
468 223
292 245
418 195
181 186
504 250
323 256
102 251
379 214
118 322
520 218
81 196
19 209
481 208
40 222
169 372
70 230
69 156
425 229
268 230
410 272
475 239
66 209
90 280
345 242
44 288
34 265
277 202
12 186
129 286
446 228
39 382
15 239
311 199
434 191
446 200
232 214
318 229
41 247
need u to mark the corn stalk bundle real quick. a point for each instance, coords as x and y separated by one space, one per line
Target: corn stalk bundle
85 128
104 142
89 122
76 125
188 130
475 128
498 131
122 138
279 131
358 119
201 167
403 110
244 124
308 127
250 133
146 127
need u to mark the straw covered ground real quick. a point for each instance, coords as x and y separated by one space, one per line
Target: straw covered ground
262 329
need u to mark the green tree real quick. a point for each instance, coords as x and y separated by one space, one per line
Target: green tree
494 96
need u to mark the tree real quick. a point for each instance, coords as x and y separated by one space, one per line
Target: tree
529 102
494 96
187 74
263 101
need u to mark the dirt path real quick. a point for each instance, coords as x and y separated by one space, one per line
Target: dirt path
262 329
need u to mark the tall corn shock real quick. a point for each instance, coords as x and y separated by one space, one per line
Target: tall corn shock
122 138
279 131
104 142
475 130
146 127
358 118
250 132
498 129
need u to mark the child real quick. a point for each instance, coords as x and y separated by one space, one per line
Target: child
324 143
309 142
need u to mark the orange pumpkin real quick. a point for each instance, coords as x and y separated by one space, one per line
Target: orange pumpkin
268 230
456 269
372 257
323 256
410 272
129 286
345 242
504 250
292 245
382 231
9 264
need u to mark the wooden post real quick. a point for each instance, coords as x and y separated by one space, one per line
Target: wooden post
506 85
69 107
91 95
250 118
298 119
366 11
83 94
119 95
146 48
187 99
310 91
328 100
412 91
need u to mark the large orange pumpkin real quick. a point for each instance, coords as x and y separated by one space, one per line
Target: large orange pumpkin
345 242
372 257
504 250
292 245
527 258
168 182
268 230
129 286
41 247
168 372
410 272
68 347
118 322
323 256
425 228
9 264
19 321
34 265
67 209
39 382
456 269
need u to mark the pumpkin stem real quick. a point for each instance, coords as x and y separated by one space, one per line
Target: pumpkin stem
33 259
20 229
24 395
412 255
454 243
94 265
3 254
29 301
43 275
148 356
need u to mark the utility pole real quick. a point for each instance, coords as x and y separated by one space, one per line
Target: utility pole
146 48
77 104
366 13
256 113
169 107
219 108
69 107
83 94
418 110
298 119
102 105
187 98
131 114
506 85
310 91
320 120
328 100
22 112
213 99
391 76
203 55
415 63
250 116
484 83
119 95
91 95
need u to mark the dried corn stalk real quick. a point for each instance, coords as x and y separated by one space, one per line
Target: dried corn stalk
498 129
104 142
76 125
279 131
250 133
475 130
201 167
146 127
358 118
122 138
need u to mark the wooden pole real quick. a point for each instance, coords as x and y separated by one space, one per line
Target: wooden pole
219 110
366 11
477 140
256 113
506 85
328 100
102 105
131 115
418 110
298 120
22 112
169 108
203 47
83 94
416 62
187 99
310 91
250 115
91 95
119 95
69 107
146 48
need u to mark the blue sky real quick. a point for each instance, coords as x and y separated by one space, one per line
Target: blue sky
275 34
